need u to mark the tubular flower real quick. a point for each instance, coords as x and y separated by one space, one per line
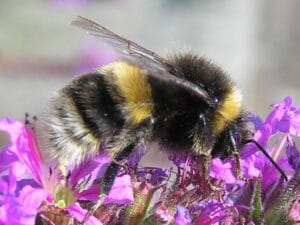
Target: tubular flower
181 195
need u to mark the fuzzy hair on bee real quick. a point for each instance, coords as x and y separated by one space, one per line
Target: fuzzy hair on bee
183 103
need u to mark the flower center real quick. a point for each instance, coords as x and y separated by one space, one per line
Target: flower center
63 196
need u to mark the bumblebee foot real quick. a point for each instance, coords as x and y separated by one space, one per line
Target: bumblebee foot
239 175
242 178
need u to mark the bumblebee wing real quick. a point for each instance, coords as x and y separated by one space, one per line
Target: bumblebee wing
121 44
155 65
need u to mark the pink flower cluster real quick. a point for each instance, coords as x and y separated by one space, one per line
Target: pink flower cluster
32 190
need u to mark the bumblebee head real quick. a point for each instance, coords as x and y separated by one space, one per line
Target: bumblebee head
242 130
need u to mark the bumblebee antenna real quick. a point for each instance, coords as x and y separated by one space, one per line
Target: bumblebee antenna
269 157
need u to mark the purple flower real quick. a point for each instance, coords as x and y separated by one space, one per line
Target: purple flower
222 171
212 212
163 214
292 153
151 175
80 214
258 122
183 197
182 216
294 214
23 147
285 117
179 159
53 188
121 191
251 167
23 206
93 168
135 157
271 175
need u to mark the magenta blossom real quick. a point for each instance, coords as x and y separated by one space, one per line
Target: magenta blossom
285 118
150 195
182 216
23 206
294 214
49 188
211 212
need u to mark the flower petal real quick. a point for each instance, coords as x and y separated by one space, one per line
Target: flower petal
12 127
293 154
94 167
121 191
178 158
23 144
211 212
278 112
294 214
222 171
135 157
158 175
32 198
182 216
91 194
80 214
21 210
258 122
285 117
164 214
6 158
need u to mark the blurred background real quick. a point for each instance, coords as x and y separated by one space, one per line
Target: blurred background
255 41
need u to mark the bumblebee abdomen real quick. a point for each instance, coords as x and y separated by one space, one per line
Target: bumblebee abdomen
91 96
83 117
130 87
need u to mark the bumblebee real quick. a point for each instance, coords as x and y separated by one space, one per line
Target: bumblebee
183 103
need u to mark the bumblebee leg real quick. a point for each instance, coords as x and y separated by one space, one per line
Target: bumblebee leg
110 175
205 165
237 166
106 184
203 142
121 147
205 162
112 171
236 156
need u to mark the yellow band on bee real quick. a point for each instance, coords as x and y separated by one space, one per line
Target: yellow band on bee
133 86
229 110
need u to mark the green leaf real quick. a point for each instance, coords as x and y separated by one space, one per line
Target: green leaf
257 214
